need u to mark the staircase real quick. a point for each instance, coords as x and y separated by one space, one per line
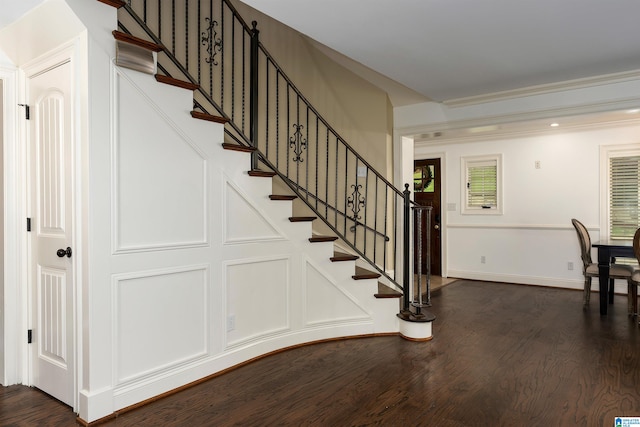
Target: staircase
236 82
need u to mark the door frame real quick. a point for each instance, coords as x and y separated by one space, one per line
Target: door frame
404 154
18 280
438 180
14 161
443 203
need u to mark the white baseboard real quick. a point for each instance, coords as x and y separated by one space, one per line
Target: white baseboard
620 285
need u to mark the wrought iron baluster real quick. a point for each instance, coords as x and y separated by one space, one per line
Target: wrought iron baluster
199 54
335 194
173 27
278 119
253 96
186 38
375 220
346 184
209 38
288 127
267 104
366 211
298 143
306 178
317 154
356 201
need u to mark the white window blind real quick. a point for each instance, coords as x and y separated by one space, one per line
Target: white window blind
624 201
482 184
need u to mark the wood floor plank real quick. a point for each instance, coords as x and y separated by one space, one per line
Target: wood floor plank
501 354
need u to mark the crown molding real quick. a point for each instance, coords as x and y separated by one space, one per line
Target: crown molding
522 133
505 125
605 79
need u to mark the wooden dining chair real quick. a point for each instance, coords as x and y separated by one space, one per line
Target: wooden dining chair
590 269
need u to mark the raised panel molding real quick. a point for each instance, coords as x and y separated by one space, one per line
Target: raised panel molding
51 166
160 320
243 221
259 287
326 303
159 177
52 326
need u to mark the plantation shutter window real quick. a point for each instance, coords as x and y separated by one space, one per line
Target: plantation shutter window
624 192
482 185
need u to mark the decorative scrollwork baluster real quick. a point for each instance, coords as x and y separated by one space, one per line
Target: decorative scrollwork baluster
356 201
212 41
298 143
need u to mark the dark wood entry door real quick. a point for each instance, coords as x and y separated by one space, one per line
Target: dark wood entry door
426 192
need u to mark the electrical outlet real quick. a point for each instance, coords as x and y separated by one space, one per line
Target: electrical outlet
483 260
537 164
231 322
569 266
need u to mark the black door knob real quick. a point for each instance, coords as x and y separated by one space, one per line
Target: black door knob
62 252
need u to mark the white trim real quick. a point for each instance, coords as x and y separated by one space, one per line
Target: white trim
518 279
567 226
14 231
443 203
606 152
582 83
446 127
464 193
403 154
550 282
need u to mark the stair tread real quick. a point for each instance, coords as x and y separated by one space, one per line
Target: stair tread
261 173
340 256
128 38
236 147
282 197
176 82
363 273
208 117
301 218
316 239
115 3
386 292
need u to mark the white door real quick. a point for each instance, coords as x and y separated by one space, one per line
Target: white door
51 212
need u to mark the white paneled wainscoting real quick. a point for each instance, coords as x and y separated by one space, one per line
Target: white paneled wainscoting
534 254
205 271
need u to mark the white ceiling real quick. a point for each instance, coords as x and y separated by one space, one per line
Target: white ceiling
450 49
10 10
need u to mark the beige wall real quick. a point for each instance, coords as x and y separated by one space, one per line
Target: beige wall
358 111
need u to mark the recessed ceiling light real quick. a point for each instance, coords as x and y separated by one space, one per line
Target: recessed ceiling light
555 125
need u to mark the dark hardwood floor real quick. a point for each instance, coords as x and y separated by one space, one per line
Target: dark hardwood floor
502 355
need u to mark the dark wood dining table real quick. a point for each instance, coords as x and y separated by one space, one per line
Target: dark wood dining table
608 249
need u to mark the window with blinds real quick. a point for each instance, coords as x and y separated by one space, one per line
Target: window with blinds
482 185
624 201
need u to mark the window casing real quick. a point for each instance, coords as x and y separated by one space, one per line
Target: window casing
482 185
624 192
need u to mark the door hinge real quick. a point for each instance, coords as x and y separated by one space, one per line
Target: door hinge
28 224
29 336
26 110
